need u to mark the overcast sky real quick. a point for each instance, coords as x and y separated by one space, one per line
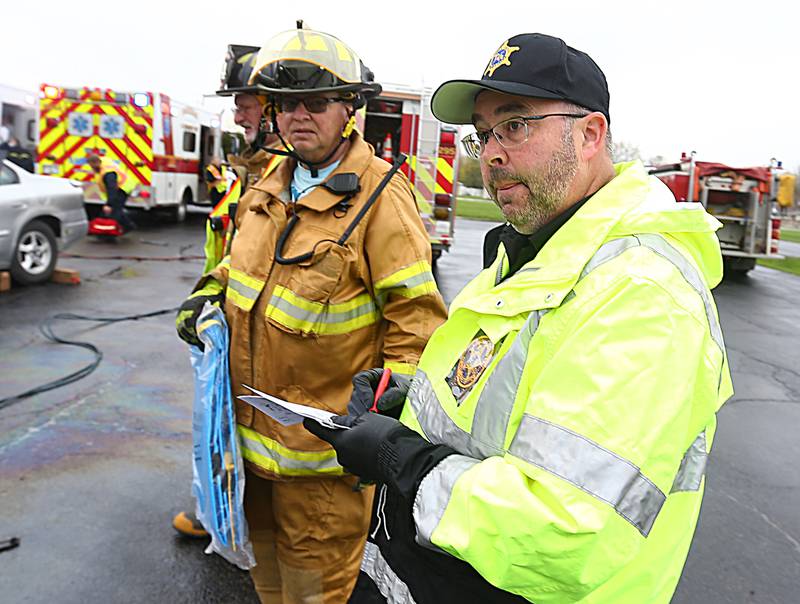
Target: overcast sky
718 77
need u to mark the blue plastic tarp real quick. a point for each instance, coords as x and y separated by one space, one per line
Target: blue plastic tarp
218 484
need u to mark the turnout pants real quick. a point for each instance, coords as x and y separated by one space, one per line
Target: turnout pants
308 537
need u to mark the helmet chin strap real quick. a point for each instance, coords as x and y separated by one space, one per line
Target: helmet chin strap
289 152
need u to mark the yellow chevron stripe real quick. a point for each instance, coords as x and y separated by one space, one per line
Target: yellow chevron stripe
137 141
47 139
426 179
445 169
424 205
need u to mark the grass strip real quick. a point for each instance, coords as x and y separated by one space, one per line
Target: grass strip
789 264
790 235
475 209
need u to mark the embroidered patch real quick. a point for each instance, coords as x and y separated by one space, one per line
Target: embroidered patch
470 366
501 57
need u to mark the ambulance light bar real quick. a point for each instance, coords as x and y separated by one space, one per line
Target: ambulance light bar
141 99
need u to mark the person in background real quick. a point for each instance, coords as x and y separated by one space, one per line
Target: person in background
115 186
251 164
215 177
18 155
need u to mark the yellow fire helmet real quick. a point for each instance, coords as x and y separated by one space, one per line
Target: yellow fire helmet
305 60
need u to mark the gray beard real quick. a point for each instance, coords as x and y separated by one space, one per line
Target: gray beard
547 187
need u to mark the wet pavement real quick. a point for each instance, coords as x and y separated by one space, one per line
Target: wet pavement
92 473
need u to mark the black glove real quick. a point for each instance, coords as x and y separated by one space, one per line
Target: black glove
381 449
364 385
186 321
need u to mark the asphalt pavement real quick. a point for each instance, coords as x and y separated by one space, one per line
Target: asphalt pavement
92 473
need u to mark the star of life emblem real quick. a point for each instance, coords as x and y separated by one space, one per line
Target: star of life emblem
80 124
112 126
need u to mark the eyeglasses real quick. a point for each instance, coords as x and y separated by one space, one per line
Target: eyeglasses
509 133
313 104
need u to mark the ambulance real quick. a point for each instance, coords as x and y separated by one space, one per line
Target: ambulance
399 120
162 144
18 116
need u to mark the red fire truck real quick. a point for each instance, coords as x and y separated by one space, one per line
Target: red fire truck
743 199
399 120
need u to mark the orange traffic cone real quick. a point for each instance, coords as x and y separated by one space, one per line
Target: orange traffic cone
387 149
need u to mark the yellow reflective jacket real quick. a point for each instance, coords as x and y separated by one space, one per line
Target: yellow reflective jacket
583 419
220 182
124 182
301 331
248 168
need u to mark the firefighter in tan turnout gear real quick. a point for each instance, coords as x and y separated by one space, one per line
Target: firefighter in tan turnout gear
250 165
250 114
329 274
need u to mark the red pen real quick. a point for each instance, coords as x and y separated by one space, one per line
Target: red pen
382 384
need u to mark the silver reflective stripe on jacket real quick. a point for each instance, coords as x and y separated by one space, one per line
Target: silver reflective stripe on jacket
693 467
493 411
434 492
659 245
436 425
556 449
591 468
270 458
322 313
389 584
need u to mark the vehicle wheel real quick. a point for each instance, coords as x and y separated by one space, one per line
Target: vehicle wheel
35 254
736 267
436 253
178 213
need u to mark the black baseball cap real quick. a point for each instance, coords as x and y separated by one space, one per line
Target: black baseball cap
534 65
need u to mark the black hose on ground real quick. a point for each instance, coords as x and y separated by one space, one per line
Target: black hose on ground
46 327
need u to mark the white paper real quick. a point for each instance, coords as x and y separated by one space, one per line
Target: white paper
286 413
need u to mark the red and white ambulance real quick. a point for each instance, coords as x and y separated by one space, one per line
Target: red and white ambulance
162 144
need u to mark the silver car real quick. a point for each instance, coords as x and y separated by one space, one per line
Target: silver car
39 215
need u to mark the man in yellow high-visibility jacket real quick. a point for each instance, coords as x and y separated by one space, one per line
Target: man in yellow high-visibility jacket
216 178
115 186
553 444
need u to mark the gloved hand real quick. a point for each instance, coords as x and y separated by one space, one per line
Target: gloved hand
364 385
381 449
186 321
357 449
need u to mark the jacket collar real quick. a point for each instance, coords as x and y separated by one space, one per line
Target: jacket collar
356 160
547 279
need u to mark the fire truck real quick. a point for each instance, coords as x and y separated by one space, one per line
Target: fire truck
743 199
399 120
162 144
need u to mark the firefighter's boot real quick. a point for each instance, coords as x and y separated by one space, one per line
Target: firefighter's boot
187 524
